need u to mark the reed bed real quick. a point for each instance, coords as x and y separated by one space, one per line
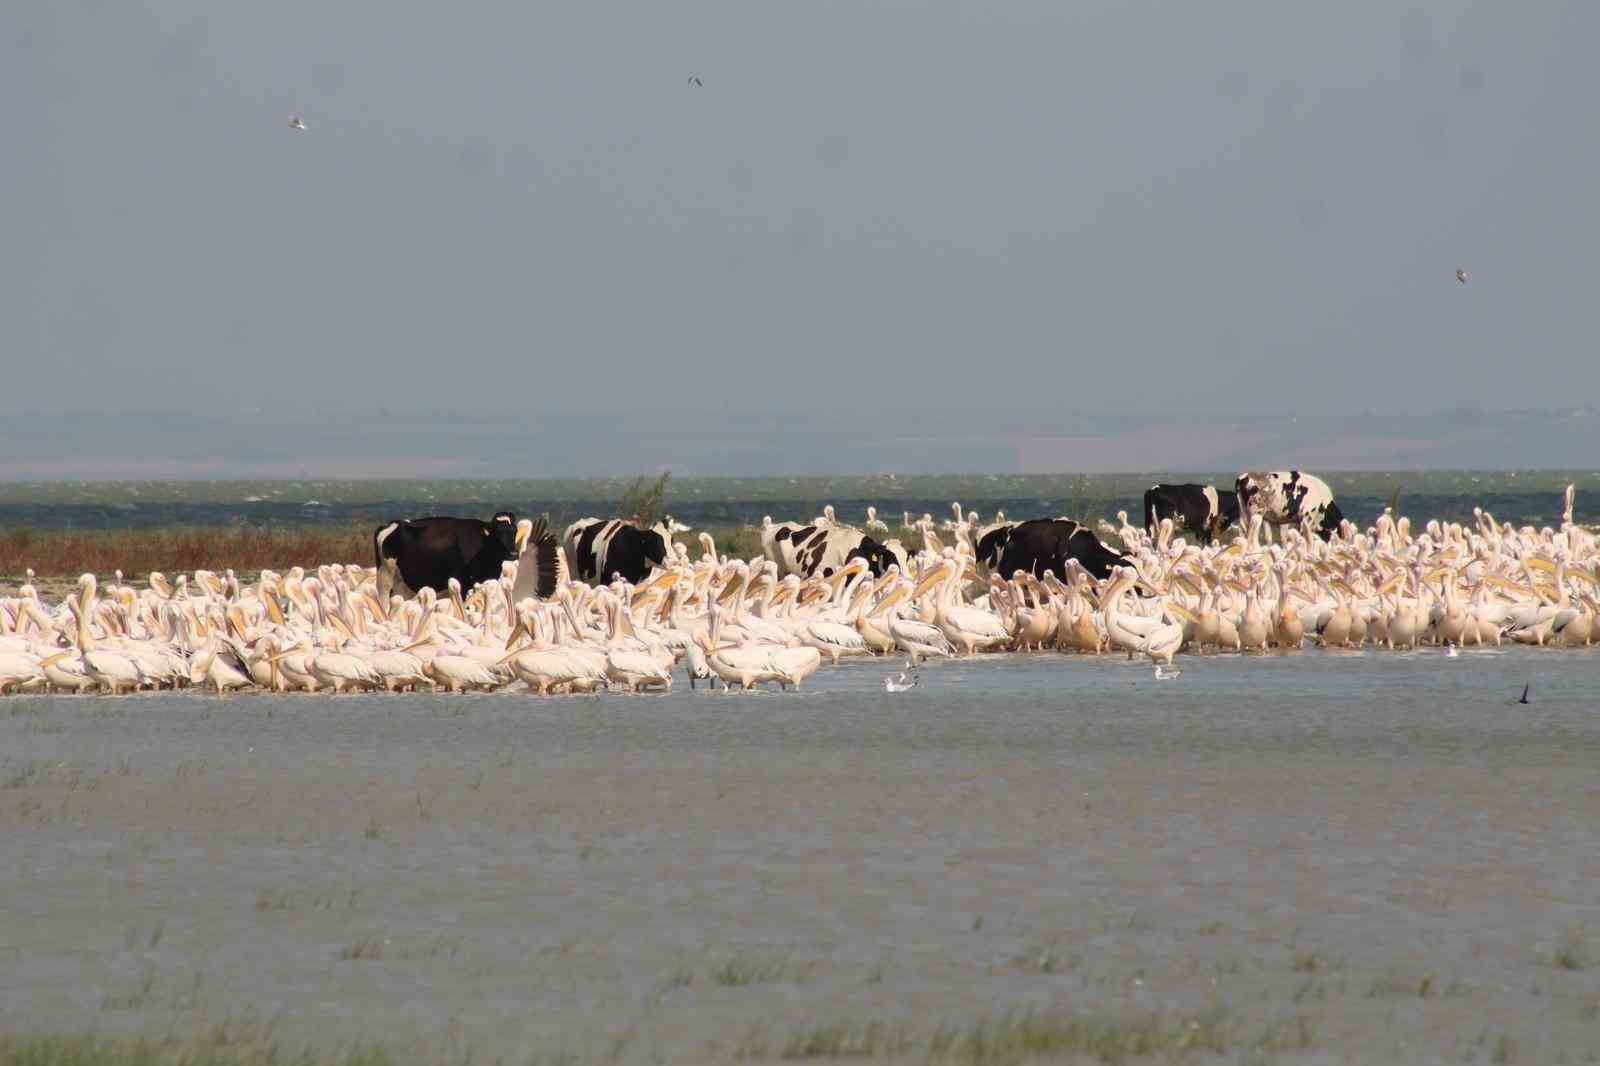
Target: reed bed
136 552
58 554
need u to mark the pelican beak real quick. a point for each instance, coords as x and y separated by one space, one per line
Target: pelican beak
1540 563
888 601
729 591
524 531
274 612
1180 611
57 657
936 575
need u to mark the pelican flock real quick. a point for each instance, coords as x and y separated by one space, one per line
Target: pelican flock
1459 586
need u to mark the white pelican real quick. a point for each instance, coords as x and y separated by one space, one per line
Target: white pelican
874 523
794 665
20 672
746 664
916 638
213 668
108 668
342 672
459 673
963 625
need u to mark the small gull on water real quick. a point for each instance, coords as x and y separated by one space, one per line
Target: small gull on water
901 684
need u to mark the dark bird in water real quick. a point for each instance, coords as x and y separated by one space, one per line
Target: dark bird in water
1461 276
694 79
1525 689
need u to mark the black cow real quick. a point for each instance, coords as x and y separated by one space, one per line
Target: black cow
1289 497
1045 544
1201 509
428 552
992 542
598 549
820 551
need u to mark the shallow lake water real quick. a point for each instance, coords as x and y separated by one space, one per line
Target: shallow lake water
1366 857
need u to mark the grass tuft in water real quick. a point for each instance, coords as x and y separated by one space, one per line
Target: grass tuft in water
1573 951
846 1040
741 971
368 947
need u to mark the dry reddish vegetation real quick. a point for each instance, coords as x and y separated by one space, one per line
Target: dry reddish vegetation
67 553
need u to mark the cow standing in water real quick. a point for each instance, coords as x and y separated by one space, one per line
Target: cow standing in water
822 550
599 549
1042 545
1201 509
416 553
1288 497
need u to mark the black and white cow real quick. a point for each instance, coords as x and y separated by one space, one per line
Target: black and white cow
428 552
599 549
821 551
1042 545
1288 497
1201 509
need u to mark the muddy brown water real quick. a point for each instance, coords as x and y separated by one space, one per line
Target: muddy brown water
1383 850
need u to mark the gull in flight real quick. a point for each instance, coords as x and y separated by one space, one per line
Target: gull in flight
694 79
1450 652
901 684
1167 673
1461 276
296 124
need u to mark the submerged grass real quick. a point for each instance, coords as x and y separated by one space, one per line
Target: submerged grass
1017 1037
141 1051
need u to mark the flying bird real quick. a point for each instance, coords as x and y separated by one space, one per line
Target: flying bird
1461 276
1450 652
296 124
694 79
1167 673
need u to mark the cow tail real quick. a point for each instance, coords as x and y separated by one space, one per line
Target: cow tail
379 535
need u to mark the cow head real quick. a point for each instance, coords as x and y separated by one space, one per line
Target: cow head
992 544
503 531
1227 512
877 557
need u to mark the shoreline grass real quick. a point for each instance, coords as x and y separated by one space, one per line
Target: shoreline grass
179 549
63 555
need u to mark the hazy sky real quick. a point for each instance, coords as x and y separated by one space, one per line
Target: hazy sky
523 206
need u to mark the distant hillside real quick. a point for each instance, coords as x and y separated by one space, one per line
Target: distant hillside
735 444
